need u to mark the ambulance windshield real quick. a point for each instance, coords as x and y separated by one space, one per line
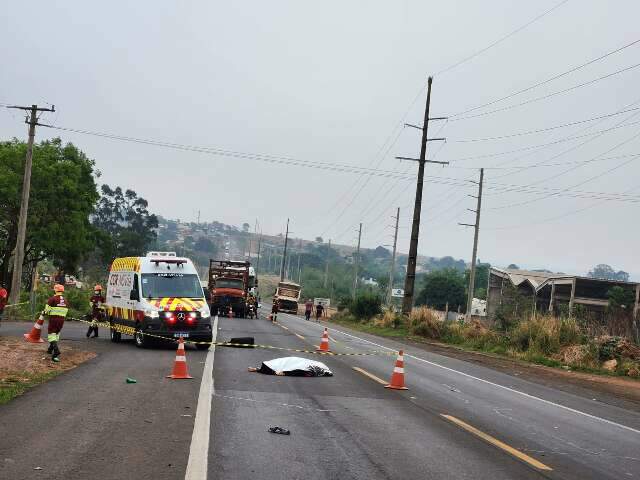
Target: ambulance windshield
177 285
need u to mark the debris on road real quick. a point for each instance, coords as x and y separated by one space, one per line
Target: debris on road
294 367
241 342
279 430
131 380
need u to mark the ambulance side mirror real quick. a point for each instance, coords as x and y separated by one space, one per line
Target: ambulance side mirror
134 295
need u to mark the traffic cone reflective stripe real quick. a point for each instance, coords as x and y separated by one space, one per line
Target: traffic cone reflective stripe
397 377
34 335
324 342
230 312
180 364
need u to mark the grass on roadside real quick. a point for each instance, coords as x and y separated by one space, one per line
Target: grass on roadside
17 383
543 340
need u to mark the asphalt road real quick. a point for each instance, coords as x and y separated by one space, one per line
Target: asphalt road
89 423
577 437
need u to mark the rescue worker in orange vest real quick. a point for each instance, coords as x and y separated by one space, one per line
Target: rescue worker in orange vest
56 309
95 302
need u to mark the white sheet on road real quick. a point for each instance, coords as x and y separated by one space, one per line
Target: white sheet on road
288 364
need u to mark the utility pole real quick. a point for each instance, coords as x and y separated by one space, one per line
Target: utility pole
284 255
409 283
299 254
472 275
259 248
393 259
356 261
18 256
326 266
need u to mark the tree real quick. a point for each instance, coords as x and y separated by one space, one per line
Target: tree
205 245
63 194
606 272
124 225
319 239
481 281
441 287
621 298
246 227
513 266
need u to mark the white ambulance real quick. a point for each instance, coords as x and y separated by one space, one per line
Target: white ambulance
159 294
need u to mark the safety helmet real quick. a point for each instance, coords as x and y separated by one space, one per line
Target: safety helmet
97 288
58 288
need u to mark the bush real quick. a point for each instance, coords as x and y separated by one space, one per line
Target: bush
424 322
570 332
389 319
366 305
538 334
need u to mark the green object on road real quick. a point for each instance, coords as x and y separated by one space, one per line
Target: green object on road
131 380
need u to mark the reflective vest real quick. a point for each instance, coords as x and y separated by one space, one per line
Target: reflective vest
57 306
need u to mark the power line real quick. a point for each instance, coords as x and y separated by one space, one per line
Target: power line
541 145
557 217
542 130
544 97
595 177
575 147
500 40
544 82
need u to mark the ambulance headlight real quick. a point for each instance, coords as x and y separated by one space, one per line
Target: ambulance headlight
151 313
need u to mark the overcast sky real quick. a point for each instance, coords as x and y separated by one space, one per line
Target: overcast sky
330 82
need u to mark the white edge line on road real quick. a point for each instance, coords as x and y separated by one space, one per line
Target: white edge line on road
548 402
197 465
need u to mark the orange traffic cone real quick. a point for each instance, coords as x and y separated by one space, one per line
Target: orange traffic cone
324 342
230 312
180 365
397 377
34 335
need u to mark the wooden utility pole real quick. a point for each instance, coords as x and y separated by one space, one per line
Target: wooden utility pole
299 254
18 256
284 255
474 255
409 283
393 259
326 266
355 264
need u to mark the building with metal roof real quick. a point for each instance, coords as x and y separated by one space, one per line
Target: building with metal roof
544 291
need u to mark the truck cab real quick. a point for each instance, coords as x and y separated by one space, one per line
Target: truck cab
288 295
229 286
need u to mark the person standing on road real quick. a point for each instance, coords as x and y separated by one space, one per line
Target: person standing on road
319 311
4 297
95 302
274 310
308 308
56 309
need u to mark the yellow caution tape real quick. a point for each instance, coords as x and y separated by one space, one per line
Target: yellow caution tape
131 331
16 304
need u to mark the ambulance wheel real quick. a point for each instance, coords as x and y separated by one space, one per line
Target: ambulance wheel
141 341
115 336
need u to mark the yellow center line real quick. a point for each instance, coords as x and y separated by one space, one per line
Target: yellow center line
497 443
286 328
370 375
299 336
